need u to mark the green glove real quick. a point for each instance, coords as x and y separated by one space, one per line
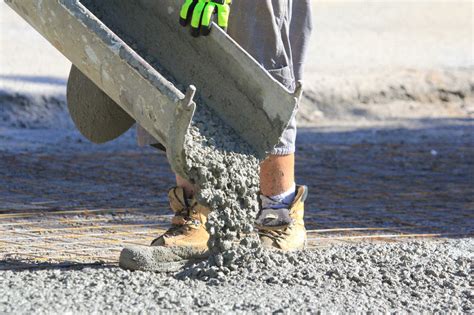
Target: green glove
200 13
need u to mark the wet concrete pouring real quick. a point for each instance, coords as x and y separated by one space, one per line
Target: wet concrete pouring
365 184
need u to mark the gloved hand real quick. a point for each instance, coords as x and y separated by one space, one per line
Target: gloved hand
200 13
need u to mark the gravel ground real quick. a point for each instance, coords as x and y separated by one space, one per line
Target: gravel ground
379 164
414 277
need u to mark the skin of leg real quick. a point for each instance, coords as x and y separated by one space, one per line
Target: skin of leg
187 186
277 174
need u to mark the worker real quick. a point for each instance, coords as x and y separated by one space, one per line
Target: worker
276 34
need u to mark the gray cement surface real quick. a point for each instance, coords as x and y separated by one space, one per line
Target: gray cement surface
403 277
388 153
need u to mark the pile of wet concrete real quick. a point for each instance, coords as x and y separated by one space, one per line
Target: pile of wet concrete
420 276
225 171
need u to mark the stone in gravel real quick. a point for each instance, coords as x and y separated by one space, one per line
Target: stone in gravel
302 285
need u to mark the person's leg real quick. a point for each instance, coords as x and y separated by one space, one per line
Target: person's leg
188 187
270 32
262 29
277 174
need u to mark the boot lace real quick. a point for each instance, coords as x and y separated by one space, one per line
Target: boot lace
182 220
275 235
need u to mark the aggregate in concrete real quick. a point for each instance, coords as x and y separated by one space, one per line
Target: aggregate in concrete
225 171
417 276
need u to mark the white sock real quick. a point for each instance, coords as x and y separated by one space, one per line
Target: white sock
279 201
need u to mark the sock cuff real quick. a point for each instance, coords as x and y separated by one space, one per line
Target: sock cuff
286 194
281 200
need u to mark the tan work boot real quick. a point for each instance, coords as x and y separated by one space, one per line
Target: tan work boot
184 243
284 228
188 229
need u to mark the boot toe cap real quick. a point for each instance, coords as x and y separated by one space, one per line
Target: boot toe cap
135 258
149 259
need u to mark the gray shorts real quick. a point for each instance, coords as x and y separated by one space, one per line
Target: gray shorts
276 33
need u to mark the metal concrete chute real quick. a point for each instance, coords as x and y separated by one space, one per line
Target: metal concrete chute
133 62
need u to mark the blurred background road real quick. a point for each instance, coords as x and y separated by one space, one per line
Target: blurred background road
415 55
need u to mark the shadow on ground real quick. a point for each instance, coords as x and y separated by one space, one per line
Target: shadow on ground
19 265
